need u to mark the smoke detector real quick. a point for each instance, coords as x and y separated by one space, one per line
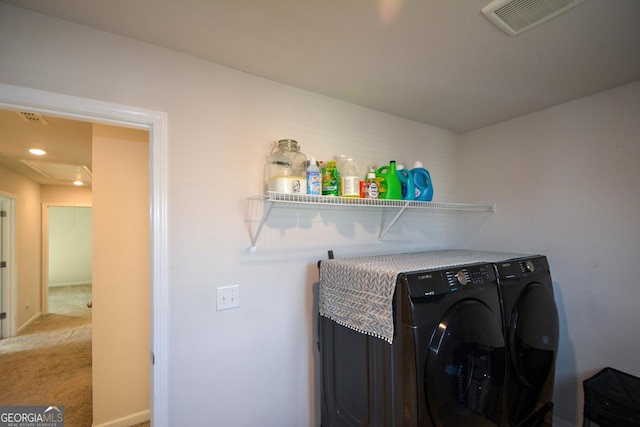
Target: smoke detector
516 16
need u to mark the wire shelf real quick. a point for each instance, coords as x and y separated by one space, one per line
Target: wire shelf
308 199
287 200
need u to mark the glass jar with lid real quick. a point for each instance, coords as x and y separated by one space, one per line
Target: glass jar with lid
285 171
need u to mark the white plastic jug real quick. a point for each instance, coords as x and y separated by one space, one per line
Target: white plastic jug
349 179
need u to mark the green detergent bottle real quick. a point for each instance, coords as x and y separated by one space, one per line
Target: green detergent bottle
389 185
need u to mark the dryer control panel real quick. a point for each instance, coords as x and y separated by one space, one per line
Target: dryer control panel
523 267
438 282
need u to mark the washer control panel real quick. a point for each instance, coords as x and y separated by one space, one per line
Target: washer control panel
439 282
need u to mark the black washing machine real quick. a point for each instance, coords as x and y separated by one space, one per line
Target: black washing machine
444 363
531 330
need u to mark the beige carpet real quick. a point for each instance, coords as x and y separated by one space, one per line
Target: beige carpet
49 363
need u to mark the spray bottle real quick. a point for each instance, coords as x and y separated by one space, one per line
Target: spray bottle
314 181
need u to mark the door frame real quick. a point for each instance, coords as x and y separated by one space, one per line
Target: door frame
76 108
8 300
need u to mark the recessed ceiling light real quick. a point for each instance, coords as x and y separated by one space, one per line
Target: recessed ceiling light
37 151
78 183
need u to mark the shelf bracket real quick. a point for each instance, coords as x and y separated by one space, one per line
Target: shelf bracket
268 205
393 221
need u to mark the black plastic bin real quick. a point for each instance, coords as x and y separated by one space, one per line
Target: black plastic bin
612 398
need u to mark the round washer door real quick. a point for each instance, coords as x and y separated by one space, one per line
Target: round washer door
464 373
533 335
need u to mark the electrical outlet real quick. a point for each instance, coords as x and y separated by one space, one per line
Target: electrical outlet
227 297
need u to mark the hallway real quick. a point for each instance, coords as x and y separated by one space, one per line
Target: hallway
49 362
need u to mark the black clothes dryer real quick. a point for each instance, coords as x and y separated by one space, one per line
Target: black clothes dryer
444 366
531 330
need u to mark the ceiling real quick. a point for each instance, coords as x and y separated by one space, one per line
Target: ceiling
439 62
67 143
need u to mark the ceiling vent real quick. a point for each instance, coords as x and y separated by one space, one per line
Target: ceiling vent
516 16
35 118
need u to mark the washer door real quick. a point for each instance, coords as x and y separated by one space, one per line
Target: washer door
464 374
533 335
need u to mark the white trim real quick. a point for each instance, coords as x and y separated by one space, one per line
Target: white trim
127 421
15 97
66 284
29 322
9 298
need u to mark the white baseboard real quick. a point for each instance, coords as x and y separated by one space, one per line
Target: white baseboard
129 420
28 322
59 285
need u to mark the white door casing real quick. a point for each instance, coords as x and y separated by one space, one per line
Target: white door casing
15 97
7 272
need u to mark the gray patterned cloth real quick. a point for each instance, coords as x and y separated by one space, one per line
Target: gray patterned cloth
358 292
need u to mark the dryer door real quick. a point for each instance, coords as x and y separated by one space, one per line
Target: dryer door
533 335
464 374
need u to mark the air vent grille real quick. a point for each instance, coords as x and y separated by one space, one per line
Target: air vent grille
35 118
515 16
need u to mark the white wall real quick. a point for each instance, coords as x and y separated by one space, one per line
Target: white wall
69 245
253 365
566 182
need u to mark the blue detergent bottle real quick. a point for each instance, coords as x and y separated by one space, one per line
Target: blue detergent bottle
408 185
423 184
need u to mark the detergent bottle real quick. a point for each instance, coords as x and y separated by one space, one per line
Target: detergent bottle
389 186
408 185
329 173
423 184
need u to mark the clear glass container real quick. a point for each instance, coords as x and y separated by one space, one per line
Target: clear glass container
286 168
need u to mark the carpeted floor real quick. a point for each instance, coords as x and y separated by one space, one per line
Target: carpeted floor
49 363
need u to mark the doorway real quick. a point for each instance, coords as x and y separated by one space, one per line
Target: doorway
14 97
67 258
